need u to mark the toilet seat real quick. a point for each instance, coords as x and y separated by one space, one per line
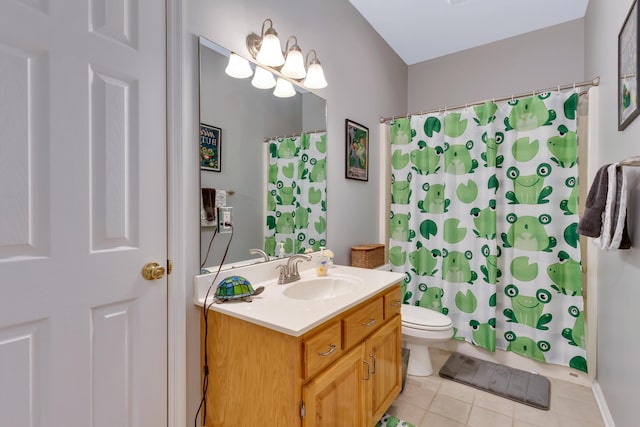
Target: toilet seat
424 319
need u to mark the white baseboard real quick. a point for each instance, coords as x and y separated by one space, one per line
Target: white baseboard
602 405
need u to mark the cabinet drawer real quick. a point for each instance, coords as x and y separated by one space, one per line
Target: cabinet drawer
392 302
322 349
362 322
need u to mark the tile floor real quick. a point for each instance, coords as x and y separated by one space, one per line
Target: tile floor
437 402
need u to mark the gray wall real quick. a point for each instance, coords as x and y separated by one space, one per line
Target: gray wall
366 80
618 372
537 60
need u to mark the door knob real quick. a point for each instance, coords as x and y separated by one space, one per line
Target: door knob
153 271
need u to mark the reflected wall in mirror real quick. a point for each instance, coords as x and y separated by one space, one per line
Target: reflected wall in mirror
272 165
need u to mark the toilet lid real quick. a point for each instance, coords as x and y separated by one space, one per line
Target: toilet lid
424 318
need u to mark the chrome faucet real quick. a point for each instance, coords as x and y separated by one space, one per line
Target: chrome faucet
289 271
259 252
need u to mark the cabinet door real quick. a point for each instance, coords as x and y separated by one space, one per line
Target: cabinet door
335 398
384 352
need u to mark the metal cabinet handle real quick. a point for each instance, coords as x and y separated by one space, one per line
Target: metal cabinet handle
331 350
368 371
371 322
396 303
375 362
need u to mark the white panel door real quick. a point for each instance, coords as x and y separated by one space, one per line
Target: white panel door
82 208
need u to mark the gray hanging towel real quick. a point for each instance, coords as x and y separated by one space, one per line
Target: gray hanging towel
590 224
208 203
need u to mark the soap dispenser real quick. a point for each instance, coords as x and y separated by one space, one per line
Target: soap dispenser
322 264
281 251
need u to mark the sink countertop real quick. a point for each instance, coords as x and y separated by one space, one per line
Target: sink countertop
294 317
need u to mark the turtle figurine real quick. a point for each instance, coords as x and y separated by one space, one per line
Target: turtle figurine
236 287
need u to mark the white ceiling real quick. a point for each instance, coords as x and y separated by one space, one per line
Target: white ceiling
419 30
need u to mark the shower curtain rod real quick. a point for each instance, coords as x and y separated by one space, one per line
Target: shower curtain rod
594 82
293 135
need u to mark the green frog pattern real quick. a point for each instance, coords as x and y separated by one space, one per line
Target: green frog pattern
527 310
285 223
529 189
431 297
434 201
528 233
525 346
570 206
401 132
296 193
484 334
564 147
286 195
529 113
287 149
490 271
485 113
399 227
494 213
485 221
457 158
400 190
423 261
576 336
566 275
456 267
490 156
425 160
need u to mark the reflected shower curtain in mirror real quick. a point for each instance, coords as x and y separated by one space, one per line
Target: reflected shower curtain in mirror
483 223
297 194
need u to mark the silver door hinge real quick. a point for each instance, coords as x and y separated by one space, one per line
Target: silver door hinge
169 266
303 410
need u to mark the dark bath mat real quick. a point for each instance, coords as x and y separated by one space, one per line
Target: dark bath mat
515 384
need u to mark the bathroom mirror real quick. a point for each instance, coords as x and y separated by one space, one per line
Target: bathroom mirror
239 123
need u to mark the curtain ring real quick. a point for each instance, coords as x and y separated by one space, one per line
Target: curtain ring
558 89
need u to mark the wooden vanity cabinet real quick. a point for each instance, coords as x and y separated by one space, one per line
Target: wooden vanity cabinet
343 373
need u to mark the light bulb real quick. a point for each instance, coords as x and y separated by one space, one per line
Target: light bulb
270 51
284 88
294 64
315 76
263 79
238 67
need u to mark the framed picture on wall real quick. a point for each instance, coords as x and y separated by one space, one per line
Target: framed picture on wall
210 144
628 69
357 142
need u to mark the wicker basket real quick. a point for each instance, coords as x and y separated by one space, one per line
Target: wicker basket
367 256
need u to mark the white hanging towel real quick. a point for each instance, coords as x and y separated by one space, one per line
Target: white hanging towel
614 218
221 198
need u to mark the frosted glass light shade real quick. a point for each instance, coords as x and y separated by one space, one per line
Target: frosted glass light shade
270 51
263 79
238 67
284 88
315 76
294 64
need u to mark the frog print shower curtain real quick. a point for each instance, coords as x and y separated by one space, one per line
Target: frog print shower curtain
296 194
483 223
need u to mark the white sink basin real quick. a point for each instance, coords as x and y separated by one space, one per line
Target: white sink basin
321 288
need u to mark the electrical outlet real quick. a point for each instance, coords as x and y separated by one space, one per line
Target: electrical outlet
225 219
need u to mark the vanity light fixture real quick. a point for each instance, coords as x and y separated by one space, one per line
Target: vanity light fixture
315 74
284 88
238 67
263 79
294 61
265 48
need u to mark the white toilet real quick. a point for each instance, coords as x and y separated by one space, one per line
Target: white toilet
420 327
